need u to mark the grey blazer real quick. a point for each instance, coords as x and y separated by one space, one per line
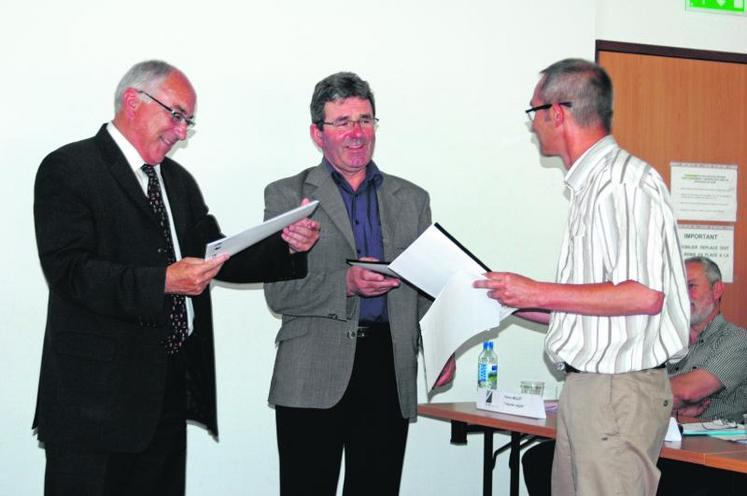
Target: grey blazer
315 349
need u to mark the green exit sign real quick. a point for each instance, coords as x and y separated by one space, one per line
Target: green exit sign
719 6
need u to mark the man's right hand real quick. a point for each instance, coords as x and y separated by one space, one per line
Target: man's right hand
190 276
364 282
693 409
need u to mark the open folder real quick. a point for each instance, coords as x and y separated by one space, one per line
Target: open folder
234 244
440 266
429 261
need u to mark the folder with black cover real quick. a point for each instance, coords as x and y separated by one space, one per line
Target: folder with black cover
429 261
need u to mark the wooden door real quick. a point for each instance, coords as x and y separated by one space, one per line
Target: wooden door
677 105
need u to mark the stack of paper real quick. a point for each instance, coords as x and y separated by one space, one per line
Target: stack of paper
439 265
721 429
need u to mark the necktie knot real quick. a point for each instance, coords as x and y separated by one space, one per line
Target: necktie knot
149 170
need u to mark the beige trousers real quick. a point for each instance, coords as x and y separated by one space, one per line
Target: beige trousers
610 430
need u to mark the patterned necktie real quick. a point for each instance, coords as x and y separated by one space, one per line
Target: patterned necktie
178 311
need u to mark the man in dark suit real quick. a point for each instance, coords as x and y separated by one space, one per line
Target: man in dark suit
346 364
128 348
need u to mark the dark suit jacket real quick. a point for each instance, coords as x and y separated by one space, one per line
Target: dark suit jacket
102 252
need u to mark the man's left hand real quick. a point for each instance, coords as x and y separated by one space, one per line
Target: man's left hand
301 235
447 374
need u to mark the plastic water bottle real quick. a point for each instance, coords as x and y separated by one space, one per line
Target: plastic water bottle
487 367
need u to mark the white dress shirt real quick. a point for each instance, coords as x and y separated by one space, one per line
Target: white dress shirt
136 162
620 228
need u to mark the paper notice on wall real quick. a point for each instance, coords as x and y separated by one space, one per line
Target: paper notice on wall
714 242
704 192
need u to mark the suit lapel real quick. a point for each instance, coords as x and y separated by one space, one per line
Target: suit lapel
389 207
122 172
177 197
330 201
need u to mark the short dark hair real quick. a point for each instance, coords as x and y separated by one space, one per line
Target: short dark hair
586 84
712 272
338 86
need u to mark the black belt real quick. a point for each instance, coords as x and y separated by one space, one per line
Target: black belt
570 369
368 329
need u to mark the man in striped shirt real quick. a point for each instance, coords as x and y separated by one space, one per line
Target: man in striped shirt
709 383
619 308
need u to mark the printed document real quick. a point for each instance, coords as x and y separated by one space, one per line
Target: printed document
234 244
442 267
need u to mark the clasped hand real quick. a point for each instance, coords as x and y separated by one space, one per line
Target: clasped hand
364 282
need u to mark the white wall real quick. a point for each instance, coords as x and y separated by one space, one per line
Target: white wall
451 84
666 22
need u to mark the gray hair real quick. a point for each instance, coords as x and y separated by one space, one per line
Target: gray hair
146 76
585 84
712 272
338 86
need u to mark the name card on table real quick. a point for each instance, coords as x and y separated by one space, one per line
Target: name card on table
673 431
525 405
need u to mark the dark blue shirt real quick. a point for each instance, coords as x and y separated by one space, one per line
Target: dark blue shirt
363 211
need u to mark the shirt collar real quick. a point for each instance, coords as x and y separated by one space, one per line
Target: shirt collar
128 150
373 176
715 323
582 168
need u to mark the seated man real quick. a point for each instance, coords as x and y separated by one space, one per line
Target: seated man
709 382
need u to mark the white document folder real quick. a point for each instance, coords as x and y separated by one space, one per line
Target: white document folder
234 244
429 261
440 266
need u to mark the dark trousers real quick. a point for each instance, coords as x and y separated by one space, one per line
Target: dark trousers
677 478
687 479
157 471
366 424
536 464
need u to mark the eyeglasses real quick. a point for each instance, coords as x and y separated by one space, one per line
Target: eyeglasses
532 111
177 117
343 123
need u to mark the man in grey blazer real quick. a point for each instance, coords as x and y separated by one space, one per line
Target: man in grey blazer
346 364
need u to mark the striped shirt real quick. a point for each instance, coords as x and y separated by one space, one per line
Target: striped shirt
721 349
620 228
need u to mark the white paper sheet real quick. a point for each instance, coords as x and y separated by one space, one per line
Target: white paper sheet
459 312
431 260
730 431
705 192
673 432
713 241
236 243
525 405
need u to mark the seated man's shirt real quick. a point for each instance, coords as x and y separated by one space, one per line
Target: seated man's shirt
721 349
